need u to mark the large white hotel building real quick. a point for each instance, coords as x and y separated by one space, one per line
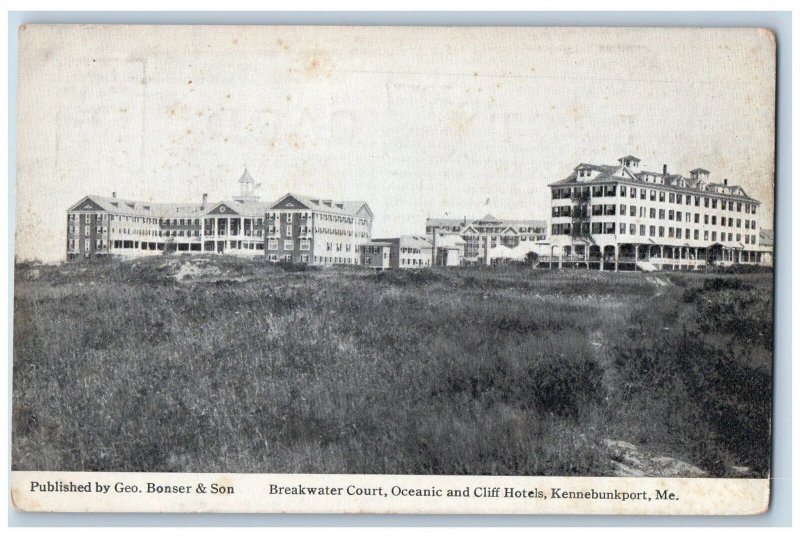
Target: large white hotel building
619 216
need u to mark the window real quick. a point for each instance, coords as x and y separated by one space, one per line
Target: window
288 244
688 199
273 244
632 228
633 192
705 219
696 235
661 196
622 190
288 218
652 195
633 211
652 231
661 214
652 212
671 215
713 203
672 197
642 229
705 235
660 231
713 220
713 236
643 194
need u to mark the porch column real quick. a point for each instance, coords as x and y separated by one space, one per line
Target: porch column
616 257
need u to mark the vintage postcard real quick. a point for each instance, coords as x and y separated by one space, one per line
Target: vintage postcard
393 269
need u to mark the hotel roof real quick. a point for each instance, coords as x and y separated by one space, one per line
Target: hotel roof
486 219
673 181
137 208
315 203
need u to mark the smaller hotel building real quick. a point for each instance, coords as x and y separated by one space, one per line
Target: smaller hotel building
620 216
482 236
404 252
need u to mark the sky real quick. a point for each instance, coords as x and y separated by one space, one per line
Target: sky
418 122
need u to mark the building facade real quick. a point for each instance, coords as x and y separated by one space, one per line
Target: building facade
101 226
404 252
296 229
619 216
482 236
317 231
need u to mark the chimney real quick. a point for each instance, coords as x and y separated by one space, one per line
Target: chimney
725 181
205 200
114 194
665 169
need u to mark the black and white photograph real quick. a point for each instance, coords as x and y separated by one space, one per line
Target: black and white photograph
426 252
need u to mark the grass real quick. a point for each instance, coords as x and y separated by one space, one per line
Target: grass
246 367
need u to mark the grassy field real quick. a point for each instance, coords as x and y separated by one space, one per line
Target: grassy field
216 364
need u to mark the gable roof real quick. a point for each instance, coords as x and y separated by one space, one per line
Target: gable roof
612 173
133 208
350 208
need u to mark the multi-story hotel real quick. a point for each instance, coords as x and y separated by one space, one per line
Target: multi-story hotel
316 231
99 225
618 216
295 229
483 236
